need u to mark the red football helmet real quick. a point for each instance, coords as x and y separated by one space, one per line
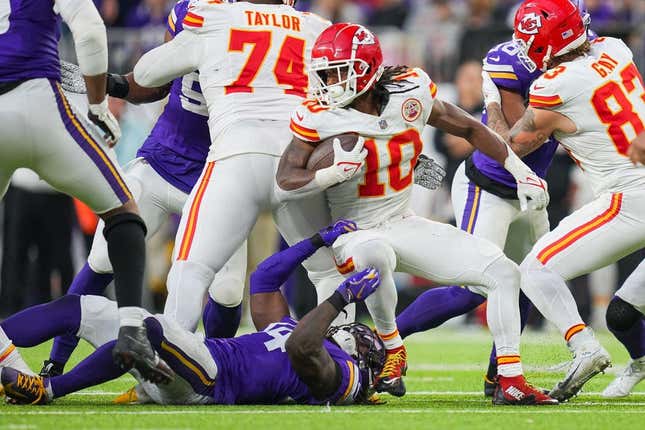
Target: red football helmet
350 52
548 28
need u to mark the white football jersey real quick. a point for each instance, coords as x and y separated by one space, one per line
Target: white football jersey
393 141
603 94
252 66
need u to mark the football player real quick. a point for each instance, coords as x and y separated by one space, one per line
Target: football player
304 361
592 97
42 131
484 197
388 107
168 165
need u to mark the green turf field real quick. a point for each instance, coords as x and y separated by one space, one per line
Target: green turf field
444 385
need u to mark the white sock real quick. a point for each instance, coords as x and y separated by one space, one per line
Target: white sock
130 316
10 357
4 340
550 295
582 337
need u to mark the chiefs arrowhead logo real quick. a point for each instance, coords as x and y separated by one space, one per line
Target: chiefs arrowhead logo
411 109
530 23
363 37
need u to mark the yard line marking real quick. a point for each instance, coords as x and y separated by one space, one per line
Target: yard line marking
340 411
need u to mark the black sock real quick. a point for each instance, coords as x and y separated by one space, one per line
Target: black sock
491 373
125 235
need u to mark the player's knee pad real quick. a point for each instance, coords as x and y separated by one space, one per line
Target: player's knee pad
376 253
621 315
227 290
502 271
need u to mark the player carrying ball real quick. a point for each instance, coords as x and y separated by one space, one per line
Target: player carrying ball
388 107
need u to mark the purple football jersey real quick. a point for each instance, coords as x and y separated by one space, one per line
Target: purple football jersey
178 143
29 33
508 72
255 368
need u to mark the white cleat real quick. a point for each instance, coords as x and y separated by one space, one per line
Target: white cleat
588 361
626 381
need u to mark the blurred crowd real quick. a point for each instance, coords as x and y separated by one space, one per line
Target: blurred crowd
448 38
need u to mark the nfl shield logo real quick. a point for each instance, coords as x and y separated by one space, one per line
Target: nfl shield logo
383 124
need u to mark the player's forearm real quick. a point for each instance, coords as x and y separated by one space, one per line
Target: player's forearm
636 150
496 120
125 87
525 137
95 86
293 179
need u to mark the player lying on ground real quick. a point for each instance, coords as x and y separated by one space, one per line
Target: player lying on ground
389 106
591 97
304 361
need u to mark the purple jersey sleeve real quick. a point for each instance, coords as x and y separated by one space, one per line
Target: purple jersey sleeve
176 17
506 69
352 380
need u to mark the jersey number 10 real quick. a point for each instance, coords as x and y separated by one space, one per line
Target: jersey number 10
288 70
616 119
371 187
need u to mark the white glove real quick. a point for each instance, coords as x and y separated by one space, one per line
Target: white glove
346 164
100 115
490 90
532 191
428 173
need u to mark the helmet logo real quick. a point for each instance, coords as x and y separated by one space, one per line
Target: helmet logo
363 37
530 24
411 109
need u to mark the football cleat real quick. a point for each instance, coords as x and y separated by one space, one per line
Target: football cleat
516 391
134 396
24 389
390 379
489 386
626 381
51 368
588 361
133 349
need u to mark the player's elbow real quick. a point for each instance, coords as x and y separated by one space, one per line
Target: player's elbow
300 347
90 37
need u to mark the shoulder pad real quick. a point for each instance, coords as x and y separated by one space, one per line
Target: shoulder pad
548 92
306 121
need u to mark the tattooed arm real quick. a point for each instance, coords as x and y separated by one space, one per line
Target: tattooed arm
535 126
511 110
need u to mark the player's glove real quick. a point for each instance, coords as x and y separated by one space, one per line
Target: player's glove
346 164
72 78
100 115
359 286
331 233
490 90
532 192
428 173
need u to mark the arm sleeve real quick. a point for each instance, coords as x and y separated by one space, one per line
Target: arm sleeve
275 270
176 17
89 34
171 60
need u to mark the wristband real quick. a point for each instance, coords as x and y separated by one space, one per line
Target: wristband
117 86
317 241
337 301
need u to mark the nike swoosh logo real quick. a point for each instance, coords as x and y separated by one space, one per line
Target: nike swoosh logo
494 58
300 117
531 181
538 87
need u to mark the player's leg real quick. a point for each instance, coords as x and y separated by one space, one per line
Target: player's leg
155 199
625 320
299 219
223 310
613 220
69 154
218 216
431 250
354 252
184 351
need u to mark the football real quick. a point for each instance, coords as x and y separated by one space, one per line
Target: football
323 155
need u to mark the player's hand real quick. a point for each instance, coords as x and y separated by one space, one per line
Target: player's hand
72 78
331 233
348 163
100 115
490 90
359 286
636 151
428 173
532 192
